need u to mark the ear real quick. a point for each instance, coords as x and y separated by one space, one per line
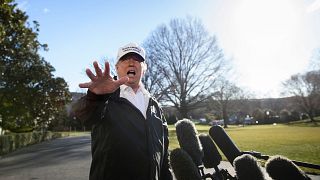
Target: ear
117 67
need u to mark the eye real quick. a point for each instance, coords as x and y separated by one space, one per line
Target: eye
137 58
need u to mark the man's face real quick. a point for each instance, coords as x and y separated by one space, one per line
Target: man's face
131 65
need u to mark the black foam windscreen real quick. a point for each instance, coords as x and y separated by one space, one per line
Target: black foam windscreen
211 156
183 166
247 168
224 142
279 167
189 141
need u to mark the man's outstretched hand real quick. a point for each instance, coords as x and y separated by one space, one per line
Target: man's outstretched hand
102 82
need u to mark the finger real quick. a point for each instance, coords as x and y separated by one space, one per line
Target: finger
97 68
122 80
85 85
90 74
106 72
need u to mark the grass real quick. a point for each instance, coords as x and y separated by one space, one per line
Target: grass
298 141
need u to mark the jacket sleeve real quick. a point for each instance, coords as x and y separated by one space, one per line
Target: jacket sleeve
165 170
88 109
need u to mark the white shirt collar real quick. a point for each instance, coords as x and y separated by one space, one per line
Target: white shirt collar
139 99
141 88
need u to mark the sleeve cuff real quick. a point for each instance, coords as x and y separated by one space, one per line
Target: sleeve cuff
93 96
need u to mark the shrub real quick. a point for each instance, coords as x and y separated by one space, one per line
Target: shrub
172 119
23 129
285 115
11 142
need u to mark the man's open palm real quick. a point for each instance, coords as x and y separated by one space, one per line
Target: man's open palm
102 82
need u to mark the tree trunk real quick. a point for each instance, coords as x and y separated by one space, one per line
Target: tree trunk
183 112
225 118
311 115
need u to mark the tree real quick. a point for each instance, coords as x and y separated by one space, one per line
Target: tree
187 60
225 98
258 115
29 93
285 115
295 115
269 116
153 80
305 89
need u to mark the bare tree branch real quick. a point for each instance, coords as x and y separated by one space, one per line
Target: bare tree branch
225 97
187 59
305 88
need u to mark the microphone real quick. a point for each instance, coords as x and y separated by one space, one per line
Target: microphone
224 142
247 167
211 156
279 167
183 166
189 141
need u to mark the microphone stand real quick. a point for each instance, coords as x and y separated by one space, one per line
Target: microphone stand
266 157
218 175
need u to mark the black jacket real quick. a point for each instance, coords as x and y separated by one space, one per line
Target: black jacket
125 145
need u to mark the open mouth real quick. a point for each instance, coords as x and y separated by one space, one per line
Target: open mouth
131 73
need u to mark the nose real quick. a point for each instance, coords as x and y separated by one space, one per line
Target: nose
131 61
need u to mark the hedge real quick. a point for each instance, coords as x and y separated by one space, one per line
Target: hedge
14 141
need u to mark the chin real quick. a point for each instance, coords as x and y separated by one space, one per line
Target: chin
131 81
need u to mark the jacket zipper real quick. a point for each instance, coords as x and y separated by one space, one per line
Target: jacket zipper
133 106
146 125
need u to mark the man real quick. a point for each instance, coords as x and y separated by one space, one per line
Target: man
129 131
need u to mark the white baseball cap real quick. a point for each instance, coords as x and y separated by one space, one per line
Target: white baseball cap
131 48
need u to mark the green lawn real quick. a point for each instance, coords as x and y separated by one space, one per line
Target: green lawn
298 141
